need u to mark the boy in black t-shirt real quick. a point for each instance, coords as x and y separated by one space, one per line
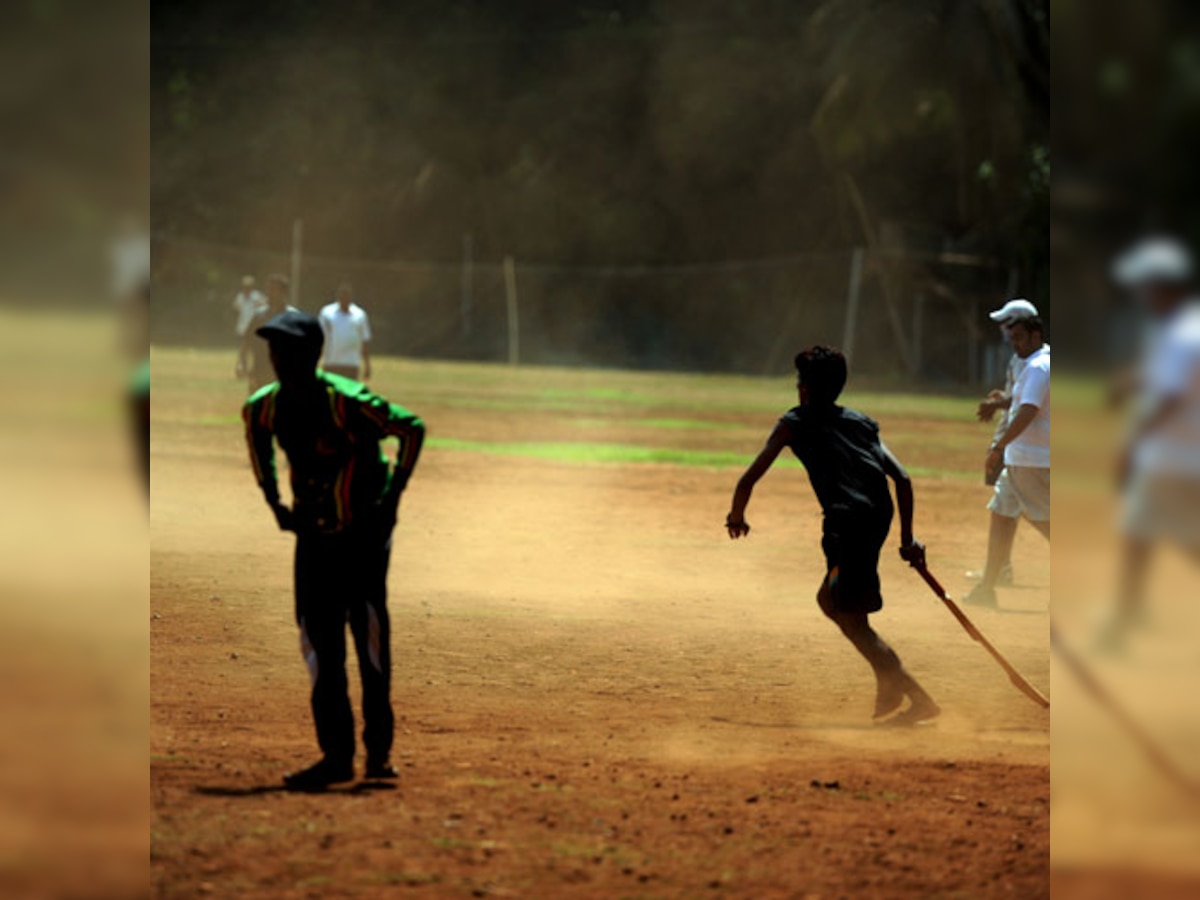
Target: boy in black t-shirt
849 467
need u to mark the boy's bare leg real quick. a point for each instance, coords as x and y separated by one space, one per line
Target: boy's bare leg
892 681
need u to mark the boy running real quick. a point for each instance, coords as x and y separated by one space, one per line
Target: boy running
848 467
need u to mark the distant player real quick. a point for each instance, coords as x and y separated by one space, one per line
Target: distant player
344 505
1005 510
347 337
1022 451
848 467
254 358
248 303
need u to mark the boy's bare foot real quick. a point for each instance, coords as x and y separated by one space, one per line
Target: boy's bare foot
889 695
921 710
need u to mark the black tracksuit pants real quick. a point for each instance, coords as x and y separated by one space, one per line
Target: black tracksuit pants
342 579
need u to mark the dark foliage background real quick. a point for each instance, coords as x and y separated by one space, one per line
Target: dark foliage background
588 135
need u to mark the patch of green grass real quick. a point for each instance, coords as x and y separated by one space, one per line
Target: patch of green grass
714 408
705 399
666 424
583 452
586 453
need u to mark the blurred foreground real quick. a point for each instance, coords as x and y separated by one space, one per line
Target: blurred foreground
74 658
1115 814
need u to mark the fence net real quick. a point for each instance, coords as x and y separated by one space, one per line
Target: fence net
748 317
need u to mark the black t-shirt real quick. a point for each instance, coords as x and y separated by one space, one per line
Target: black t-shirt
841 450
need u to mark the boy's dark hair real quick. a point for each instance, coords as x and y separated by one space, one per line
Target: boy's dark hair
1032 324
822 371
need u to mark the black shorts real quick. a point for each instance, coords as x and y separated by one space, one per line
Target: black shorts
852 549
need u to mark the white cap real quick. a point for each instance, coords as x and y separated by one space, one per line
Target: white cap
248 281
1157 260
1016 310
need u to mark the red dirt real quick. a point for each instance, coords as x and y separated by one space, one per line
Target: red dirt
599 696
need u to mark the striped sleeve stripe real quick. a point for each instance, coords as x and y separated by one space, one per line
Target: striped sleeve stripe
249 414
376 414
410 446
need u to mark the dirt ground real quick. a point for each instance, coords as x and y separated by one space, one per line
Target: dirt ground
599 695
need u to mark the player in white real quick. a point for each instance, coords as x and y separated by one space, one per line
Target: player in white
347 337
1023 450
1160 465
247 304
1003 530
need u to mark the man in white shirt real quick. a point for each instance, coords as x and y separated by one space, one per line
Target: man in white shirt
247 304
1004 529
254 354
1160 465
1023 449
347 337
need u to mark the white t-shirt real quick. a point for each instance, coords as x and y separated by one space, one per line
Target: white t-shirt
1016 366
1172 369
248 305
345 334
1032 388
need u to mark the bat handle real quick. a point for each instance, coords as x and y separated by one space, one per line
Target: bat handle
930 580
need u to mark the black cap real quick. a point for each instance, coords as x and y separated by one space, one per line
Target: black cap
295 328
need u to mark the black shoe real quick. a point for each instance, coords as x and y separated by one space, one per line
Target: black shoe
319 776
381 770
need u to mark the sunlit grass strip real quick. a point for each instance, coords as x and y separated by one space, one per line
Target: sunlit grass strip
917 406
587 391
587 452
577 453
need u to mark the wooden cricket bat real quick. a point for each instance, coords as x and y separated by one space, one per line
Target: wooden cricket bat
1019 681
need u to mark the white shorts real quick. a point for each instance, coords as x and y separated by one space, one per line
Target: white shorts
1160 505
1022 490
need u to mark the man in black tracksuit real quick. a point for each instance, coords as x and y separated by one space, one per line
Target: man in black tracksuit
345 498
